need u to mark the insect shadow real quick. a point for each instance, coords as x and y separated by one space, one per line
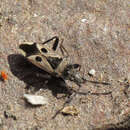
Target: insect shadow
34 77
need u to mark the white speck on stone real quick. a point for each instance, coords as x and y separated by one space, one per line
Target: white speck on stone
105 29
92 72
83 20
35 99
35 15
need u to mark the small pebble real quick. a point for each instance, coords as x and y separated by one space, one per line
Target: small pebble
92 72
70 110
83 20
35 99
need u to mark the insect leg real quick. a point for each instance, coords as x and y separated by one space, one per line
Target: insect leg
69 99
56 41
63 50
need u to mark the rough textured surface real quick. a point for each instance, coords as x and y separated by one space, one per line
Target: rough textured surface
96 34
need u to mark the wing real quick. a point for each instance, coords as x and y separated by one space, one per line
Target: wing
31 52
41 62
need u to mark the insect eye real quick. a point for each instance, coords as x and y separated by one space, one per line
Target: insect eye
39 59
76 66
44 50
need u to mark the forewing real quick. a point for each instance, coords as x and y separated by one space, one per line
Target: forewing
46 50
41 62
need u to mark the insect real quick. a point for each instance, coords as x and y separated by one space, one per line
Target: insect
45 56
53 58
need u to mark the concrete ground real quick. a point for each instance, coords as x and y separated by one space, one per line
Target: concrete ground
96 35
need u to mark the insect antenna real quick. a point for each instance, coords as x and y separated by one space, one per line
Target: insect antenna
96 82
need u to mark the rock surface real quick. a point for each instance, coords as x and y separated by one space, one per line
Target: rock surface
96 34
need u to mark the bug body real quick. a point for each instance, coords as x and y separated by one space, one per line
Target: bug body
46 56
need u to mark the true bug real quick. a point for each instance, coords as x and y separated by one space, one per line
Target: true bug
44 55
